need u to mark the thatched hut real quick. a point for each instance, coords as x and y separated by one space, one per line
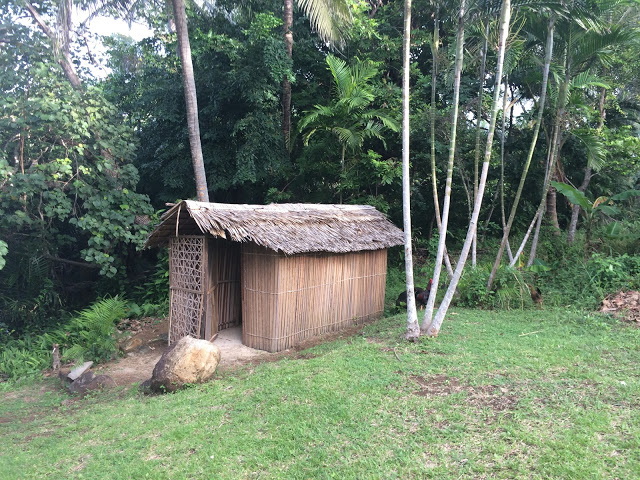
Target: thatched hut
284 272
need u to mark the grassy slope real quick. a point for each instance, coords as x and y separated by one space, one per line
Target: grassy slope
480 401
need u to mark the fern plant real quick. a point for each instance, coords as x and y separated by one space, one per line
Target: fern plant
95 329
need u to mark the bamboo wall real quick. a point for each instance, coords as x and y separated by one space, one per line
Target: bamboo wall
286 299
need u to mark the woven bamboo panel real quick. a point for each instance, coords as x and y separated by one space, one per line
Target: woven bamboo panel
287 299
186 282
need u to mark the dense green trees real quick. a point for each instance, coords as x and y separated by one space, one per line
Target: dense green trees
71 156
68 203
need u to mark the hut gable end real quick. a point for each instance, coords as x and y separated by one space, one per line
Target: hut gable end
288 228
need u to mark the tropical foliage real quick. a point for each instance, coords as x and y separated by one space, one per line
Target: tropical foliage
84 165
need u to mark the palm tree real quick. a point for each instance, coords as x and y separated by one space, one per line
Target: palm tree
447 192
191 99
584 39
534 141
435 46
431 326
413 329
330 19
349 117
476 162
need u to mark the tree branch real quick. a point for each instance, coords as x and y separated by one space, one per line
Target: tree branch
70 262
63 59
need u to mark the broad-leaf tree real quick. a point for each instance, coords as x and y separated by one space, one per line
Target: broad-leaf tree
68 198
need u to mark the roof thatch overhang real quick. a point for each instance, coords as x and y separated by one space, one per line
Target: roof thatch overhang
289 228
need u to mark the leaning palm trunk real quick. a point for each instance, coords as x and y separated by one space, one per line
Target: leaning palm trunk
191 99
434 181
534 141
554 149
452 146
505 106
62 55
413 331
537 218
476 162
433 327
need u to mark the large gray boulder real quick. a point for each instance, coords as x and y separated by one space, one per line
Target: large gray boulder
186 362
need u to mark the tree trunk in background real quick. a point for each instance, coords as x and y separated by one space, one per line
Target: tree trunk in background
413 331
428 314
534 141
434 327
505 107
62 51
191 99
476 162
435 43
552 208
575 211
286 85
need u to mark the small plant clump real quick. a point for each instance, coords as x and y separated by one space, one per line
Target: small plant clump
89 335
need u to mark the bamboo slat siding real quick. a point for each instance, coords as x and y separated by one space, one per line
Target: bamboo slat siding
287 299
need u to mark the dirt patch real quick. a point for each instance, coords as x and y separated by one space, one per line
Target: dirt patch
436 385
498 398
150 334
623 305
149 340
150 337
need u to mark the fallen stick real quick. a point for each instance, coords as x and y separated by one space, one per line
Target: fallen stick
396 354
530 333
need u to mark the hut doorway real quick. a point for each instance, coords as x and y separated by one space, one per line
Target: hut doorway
224 309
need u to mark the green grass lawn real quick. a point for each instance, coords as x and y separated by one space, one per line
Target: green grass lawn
486 399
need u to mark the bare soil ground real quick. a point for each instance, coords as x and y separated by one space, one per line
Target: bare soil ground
148 341
149 337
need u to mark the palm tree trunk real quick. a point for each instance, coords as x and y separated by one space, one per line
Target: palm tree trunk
476 163
344 149
428 314
505 106
573 225
537 218
413 331
434 327
286 85
552 209
435 43
191 99
534 141
575 211
553 153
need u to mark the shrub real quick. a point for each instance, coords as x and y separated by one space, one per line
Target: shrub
510 288
90 335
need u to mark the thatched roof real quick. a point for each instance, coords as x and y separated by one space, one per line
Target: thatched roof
288 228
